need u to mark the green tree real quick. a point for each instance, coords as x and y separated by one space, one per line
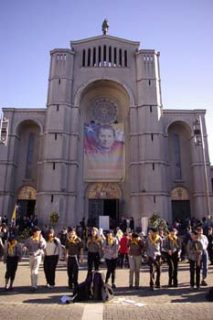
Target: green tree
155 221
54 217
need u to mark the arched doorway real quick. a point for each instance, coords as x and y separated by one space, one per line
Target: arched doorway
103 200
180 204
26 201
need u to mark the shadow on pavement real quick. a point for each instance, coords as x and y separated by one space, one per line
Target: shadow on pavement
182 294
41 290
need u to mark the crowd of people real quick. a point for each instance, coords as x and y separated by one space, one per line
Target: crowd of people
119 248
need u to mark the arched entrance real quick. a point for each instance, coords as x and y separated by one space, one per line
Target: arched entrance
180 204
26 201
103 200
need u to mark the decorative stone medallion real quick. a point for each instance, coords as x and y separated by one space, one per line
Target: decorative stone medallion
104 110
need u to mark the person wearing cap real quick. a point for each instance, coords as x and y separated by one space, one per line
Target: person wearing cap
172 248
35 246
110 250
73 250
153 247
51 257
94 246
12 255
136 247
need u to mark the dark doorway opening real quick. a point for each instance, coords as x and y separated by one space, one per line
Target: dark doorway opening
26 208
181 210
103 207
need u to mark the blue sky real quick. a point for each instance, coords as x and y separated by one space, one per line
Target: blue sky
181 30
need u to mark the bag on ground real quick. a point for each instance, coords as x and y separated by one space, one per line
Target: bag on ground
83 290
93 288
209 295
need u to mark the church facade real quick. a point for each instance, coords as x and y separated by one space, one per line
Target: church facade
104 145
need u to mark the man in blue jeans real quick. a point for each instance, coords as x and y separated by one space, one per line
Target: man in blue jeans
204 259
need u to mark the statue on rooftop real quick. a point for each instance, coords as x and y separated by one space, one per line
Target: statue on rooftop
105 26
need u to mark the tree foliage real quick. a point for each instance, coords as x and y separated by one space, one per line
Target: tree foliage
155 221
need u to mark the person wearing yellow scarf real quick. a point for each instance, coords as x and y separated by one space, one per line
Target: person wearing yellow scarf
35 245
35 236
154 238
51 257
110 249
73 255
11 247
111 239
172 249
12 256
194 250
153 246
135 245
94 246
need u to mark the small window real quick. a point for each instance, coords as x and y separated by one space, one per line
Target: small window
94 57
154 199
120 57
56 136
53 165
110 54
104 53
125 58
52 197
99 55
88 57
153 166
115 56
152 136
59 81
57 107
149 82
150 108
83 58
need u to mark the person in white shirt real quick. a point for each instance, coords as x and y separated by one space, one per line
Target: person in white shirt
51 257
110 249
35 246
204 258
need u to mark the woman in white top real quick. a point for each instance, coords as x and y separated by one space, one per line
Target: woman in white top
35 246
51 257
110 249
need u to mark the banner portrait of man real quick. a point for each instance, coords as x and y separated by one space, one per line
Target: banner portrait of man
103 151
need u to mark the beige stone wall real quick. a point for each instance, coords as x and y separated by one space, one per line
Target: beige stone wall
150 164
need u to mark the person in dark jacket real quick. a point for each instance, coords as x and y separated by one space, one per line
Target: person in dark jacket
12 255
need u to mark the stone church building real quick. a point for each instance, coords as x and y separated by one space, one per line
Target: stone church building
104 145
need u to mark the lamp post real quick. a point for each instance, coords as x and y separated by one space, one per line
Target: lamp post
199 141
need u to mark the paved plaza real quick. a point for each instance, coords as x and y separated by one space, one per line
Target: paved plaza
164 303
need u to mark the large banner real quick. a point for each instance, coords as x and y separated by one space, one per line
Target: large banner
103 151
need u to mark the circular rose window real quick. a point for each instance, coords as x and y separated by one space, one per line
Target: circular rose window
104 110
